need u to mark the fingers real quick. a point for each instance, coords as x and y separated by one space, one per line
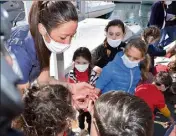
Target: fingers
86 85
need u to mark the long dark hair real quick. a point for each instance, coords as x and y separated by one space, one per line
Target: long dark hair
50 14
86 54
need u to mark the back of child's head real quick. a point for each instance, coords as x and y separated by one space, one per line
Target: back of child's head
84 53
139 44
48 111
163 78
151 34
118 113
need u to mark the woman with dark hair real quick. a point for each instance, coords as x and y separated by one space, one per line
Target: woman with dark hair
52 24
115 32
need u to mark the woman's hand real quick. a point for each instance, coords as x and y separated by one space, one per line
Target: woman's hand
83 100
84 89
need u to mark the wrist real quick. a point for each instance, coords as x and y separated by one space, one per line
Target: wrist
71 87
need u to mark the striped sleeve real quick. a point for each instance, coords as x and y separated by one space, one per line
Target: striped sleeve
93 78
71 77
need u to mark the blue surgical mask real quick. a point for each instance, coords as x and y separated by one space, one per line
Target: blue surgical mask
128 63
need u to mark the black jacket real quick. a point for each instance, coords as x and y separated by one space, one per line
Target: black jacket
171 10
100 57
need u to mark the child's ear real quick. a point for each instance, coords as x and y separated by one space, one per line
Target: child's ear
142 58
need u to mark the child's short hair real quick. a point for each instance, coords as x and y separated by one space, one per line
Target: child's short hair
48 111
152 31
163 78
121 114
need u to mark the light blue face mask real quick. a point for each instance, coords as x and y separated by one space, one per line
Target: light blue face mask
128 63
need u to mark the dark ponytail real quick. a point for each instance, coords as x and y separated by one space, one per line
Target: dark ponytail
50 14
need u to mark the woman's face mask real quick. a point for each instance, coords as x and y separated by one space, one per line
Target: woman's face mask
55 47
114 43
62 34
128 63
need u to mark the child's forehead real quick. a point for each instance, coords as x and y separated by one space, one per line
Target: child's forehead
81 59
134 52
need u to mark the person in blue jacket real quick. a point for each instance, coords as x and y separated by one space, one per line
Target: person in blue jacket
52 24
124 73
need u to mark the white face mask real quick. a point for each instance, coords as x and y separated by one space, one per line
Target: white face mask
128 63
114 43
81 67
55 47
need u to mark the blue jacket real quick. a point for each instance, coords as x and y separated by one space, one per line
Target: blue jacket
116 76
21 44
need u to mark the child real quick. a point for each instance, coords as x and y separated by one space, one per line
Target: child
123 73
113 43
48 111
152 94
82 72
151 36
118 113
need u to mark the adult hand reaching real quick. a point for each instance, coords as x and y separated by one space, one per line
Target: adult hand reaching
84 88
83 102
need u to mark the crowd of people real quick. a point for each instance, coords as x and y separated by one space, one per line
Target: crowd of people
117 88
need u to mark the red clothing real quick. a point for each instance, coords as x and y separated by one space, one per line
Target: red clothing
65 134
158 68
151 95
79 77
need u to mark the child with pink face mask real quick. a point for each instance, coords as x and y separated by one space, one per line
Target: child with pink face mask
83 72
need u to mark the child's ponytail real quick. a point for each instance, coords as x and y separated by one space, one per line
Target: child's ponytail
145 66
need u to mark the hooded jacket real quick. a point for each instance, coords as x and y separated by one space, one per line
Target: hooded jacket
116 76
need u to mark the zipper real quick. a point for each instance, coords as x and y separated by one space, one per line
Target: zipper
131 81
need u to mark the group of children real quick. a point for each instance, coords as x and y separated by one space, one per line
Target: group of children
124 67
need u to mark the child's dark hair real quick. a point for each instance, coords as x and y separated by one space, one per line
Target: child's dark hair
86 54
142 47
119 113
163 78
115 22
152 31
48 111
